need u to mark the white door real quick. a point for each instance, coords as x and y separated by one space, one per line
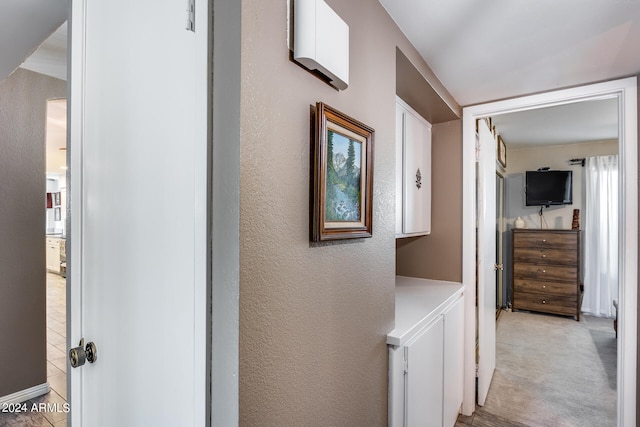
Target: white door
486 260
138 255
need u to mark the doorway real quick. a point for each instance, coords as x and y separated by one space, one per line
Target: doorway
625 91
530 149
56 284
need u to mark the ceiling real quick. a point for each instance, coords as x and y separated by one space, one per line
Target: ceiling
495 49
24 25
586 121
480 51
498 49
51 57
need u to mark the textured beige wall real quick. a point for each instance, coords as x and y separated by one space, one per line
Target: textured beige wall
313 317
439 255
23 98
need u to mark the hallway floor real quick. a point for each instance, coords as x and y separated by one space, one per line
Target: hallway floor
551 371
57 337
56 364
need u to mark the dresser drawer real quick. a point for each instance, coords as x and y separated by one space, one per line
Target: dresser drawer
546 271
546 288
552 273
565 305
546 256
532 239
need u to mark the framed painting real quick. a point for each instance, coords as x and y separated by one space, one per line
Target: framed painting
502 152
342 177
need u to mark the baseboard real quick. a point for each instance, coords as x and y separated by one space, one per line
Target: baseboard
24 395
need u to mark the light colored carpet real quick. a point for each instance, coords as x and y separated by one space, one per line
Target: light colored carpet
552 371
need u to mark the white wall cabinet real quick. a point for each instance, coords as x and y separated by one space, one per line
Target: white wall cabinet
426 354
413 172
53 254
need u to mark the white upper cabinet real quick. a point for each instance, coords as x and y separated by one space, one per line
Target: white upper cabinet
413 172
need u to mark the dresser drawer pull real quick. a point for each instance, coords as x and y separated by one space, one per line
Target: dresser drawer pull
544 240
542 271
544 255
544 301
544 286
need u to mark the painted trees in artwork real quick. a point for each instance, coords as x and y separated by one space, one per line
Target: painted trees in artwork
342 197
352 173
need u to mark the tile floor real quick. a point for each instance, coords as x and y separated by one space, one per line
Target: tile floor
57 334
56 363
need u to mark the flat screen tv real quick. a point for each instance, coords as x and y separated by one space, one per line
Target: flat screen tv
546 188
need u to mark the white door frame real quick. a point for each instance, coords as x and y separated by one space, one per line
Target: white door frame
625 90
225 213
75 108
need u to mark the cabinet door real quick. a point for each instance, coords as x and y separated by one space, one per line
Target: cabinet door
453 362
53 255
424 379
417 175
399 166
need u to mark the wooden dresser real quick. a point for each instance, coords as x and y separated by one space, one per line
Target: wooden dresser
546 271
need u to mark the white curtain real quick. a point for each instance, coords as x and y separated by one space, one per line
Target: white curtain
600 236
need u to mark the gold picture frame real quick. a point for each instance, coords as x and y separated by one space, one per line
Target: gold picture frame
502 152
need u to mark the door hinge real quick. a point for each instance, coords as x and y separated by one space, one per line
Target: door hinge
405 366
191 16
